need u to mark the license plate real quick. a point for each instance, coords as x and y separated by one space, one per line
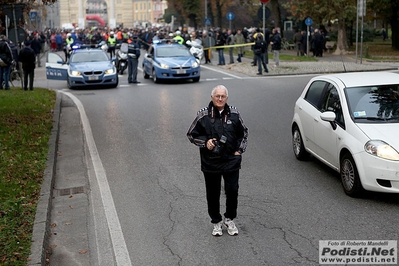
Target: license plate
93 77
181 71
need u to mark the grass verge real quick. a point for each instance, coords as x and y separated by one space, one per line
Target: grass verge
26 119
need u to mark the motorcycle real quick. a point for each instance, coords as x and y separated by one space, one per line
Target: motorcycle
121 58
104 46
196 49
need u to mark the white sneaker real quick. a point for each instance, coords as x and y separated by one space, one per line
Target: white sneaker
217 229
231 227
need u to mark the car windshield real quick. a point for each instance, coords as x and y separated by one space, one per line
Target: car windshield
172 51
374 103
89 57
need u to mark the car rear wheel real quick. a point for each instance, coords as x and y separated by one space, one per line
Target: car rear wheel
297 145
146 76
350 176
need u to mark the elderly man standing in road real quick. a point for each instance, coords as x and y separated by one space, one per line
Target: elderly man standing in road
220 133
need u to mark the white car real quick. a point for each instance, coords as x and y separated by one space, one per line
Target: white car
350 122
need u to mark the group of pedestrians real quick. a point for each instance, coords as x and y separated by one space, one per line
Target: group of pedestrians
11 56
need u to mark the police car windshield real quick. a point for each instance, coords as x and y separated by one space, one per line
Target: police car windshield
89 57
172 51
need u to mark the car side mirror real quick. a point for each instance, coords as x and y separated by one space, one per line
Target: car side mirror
329 117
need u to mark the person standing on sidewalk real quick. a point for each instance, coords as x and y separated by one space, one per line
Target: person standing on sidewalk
230 41
239 39
260 48
220 41
275 42
36 46
220 133
5 63
298 43
27 57
207 42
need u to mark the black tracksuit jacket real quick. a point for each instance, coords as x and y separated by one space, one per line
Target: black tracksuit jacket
210 124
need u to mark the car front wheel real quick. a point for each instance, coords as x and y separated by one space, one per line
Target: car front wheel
154 76
69 84
297 144
349 176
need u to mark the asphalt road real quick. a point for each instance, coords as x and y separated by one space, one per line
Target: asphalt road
285 206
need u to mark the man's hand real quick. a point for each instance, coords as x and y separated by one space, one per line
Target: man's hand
209 144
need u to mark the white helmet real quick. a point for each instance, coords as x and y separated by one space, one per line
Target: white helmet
112 33
69 35
178 32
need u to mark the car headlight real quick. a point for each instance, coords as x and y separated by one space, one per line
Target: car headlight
76 73
162 65
381 149
195 64
110 71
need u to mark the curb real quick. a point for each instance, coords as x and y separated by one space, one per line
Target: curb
41 226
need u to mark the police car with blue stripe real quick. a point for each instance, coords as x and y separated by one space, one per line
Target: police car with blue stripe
168 60
86 67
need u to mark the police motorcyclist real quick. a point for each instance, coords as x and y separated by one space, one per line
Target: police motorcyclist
133 55
111 44
178 38
68 45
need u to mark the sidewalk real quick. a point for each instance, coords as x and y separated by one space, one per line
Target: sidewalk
60 234
329 63
61 228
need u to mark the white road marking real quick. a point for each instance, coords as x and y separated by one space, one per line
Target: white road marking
220 71
118 241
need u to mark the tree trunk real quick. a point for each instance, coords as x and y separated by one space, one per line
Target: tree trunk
395 27
342 40
275 10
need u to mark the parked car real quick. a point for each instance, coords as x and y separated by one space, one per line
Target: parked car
350 122
85 67
166 60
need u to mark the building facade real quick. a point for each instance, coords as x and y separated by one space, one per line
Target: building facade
104 13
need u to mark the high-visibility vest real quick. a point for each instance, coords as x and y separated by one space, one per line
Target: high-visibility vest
112 41
69 40
119 35
179 39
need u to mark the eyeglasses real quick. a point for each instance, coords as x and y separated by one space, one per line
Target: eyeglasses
220 96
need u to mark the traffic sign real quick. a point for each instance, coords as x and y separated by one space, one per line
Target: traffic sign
33 15
267 13
230 16
207 21
308 21
264 1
